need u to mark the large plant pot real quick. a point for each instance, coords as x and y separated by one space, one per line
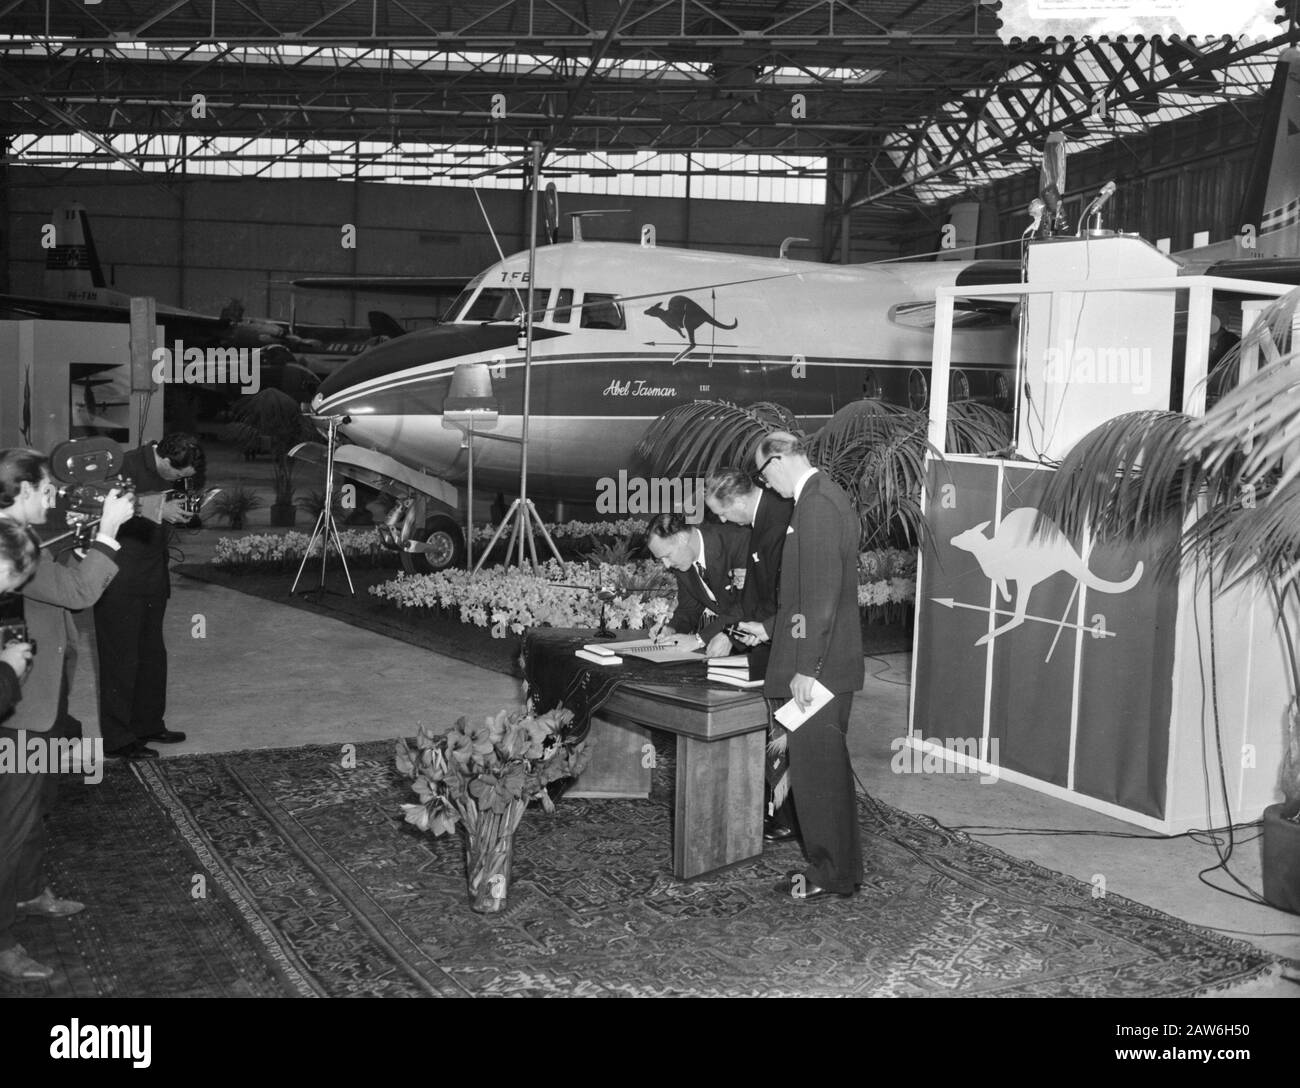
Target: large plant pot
283 514
1281 857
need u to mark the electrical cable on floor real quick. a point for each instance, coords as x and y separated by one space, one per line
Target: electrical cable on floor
880 675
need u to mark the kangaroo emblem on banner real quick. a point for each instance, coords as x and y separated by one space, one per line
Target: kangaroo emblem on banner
1014 554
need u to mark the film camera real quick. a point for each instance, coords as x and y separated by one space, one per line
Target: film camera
87 470
13 627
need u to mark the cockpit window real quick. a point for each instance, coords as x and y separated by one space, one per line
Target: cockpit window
602 312
563 306
502 304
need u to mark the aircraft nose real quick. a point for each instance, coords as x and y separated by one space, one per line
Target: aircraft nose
367 373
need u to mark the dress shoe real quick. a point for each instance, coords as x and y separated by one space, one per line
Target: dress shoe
48 905
797 887
167 736
774 832
17 966
133 751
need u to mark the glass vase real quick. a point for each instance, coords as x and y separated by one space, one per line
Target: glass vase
488 859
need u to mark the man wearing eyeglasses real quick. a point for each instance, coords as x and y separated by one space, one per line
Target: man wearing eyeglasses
816 639
735 496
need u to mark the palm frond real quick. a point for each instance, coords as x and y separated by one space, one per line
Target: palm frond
1128 478
975 428
698 438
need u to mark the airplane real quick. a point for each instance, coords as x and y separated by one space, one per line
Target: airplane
623 332
294 357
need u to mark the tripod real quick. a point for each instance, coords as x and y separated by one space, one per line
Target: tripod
326 529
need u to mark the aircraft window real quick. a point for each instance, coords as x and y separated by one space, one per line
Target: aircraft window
601 312
967 314
563 306
455 308
502 304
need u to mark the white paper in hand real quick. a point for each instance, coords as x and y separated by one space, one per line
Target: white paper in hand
792 717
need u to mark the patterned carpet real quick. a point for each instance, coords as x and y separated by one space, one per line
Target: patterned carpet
280 872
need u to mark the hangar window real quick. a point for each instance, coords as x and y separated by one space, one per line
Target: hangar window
602 312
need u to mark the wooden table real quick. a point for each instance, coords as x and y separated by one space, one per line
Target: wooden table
718 796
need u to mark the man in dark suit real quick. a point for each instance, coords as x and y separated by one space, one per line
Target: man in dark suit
816 639
27 492
129 616
704 559
734 498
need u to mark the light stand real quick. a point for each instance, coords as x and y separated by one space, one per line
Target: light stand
326 528
523 506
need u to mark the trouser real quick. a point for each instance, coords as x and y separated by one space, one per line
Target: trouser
132 668
24 800
821 782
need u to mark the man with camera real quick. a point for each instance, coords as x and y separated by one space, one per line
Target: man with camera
54 591
129 616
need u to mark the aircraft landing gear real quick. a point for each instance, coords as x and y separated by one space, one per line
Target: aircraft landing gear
439 545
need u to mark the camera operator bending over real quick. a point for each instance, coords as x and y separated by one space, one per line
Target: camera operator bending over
17 564
27 493
704 559
129 617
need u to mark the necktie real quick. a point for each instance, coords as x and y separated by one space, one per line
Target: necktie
699 573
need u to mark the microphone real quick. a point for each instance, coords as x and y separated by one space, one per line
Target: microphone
1036 211
1099 201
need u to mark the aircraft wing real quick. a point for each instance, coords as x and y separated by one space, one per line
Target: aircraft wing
57 309
400 285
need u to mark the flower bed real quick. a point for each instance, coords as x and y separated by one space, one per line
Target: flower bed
281 551
887 586
560 595
507 599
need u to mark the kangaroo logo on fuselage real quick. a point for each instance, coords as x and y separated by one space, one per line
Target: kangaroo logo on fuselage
1014 554
684 316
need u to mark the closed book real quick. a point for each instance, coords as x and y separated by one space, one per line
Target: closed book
598 659
729 677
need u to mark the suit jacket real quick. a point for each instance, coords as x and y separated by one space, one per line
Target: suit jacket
819 590
49 599
143 555
724 550
763 568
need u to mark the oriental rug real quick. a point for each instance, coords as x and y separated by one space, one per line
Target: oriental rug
290 872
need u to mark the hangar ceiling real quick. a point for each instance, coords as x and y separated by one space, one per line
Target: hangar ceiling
897 103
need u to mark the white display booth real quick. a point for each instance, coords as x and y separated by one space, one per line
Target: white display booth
1072 667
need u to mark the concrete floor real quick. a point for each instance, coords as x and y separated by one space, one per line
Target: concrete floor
266 675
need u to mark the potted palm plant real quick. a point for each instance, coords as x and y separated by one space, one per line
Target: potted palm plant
1230 481
273 414
873 449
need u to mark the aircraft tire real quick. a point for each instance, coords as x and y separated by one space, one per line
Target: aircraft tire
450 538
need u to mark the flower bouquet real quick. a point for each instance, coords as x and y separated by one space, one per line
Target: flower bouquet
480 778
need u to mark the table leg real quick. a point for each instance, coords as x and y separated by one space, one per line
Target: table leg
619 765
718 803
